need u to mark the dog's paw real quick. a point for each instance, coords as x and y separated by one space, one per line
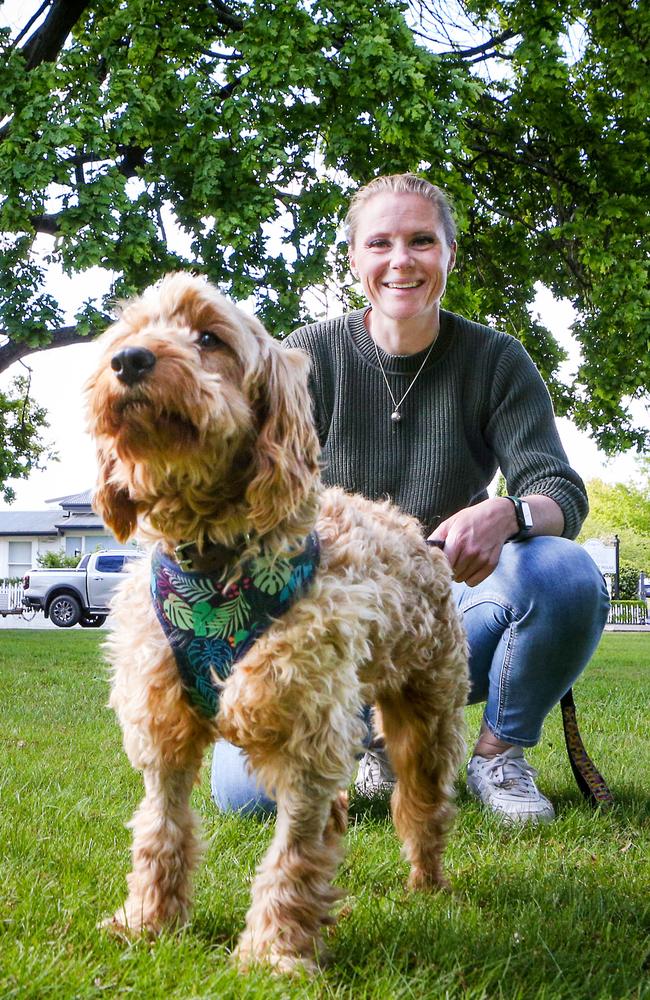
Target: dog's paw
420 880
130 922
117 926
277 960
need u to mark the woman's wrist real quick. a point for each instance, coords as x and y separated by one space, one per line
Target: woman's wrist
508 524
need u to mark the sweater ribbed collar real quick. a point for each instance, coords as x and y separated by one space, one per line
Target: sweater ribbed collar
398 363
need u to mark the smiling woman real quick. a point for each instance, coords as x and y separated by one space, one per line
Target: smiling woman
422 406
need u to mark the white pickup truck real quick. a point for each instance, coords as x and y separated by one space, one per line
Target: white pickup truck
80 595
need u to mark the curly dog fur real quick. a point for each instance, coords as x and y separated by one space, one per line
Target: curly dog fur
213 443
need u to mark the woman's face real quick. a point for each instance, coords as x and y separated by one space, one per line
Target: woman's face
401 256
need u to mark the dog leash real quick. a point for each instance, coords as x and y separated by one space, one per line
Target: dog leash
588 778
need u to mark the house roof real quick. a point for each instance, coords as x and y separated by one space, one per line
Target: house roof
29 522
74 500
85 519
48 523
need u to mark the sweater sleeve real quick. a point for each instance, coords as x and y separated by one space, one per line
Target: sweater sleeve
523 434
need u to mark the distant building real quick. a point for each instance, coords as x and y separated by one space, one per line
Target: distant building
73 527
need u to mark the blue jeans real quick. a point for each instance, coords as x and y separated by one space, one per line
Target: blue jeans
532 627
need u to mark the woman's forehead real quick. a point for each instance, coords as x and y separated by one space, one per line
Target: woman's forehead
387 211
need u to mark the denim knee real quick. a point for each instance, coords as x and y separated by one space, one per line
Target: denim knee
234 788
565 579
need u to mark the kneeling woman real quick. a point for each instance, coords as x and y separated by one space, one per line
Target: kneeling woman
422 406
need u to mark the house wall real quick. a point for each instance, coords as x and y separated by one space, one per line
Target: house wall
76 542
9 553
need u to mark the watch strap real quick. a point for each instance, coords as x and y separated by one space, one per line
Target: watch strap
524 519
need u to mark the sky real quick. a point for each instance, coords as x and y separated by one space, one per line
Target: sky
58 377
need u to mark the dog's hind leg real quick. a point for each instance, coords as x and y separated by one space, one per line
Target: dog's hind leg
426 748
165 851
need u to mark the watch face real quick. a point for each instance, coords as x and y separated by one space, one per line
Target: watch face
526 514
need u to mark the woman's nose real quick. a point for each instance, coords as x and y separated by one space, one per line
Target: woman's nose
401 255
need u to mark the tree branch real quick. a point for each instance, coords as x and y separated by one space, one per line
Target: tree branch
222 56
478 50
46 224
46 43
133 158
33 19
13 351
226 16
48 40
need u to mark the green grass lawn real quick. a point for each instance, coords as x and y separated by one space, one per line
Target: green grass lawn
560 911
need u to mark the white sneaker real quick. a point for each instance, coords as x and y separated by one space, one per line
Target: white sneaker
375 775
506 785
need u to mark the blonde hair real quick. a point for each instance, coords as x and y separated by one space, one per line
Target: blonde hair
400 184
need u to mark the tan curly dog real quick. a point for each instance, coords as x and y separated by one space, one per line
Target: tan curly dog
205 441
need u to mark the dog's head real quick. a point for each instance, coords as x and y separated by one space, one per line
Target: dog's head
194 405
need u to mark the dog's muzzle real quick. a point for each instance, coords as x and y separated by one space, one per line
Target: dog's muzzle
132 364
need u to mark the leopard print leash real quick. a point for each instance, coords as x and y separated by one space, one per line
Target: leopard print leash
588 778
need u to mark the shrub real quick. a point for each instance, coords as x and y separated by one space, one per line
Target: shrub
628 582
56 560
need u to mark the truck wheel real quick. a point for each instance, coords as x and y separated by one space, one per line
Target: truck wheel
65 611
92 621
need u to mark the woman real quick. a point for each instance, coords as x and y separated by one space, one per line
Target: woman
422 406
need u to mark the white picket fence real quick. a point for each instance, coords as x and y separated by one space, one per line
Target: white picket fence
11 597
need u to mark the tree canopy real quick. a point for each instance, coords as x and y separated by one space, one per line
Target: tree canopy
22 426
227 135
621 509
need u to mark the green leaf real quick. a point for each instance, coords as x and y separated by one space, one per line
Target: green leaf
229 618
270 574
179 613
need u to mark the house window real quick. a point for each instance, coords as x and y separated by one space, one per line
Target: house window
20 558
95 542
73 545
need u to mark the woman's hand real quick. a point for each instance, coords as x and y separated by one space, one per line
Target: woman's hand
474 536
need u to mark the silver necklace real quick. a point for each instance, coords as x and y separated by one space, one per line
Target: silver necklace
396 416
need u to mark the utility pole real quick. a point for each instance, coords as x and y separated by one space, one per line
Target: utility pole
616 567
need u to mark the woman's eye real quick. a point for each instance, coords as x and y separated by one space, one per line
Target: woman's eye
208 340
378 244
423 240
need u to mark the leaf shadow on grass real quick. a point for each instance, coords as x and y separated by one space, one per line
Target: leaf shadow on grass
369 807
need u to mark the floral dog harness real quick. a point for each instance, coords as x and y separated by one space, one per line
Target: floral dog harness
211 622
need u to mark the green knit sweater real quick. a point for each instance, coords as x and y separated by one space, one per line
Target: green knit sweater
478 405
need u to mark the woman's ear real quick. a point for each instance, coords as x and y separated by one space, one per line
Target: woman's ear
452 257
112 501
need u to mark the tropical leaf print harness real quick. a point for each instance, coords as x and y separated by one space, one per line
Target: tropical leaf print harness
211 621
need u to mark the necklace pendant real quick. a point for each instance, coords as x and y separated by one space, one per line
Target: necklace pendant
396 416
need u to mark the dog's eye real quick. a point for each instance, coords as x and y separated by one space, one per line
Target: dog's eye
208 340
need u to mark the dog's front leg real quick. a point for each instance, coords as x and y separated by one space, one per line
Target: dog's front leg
165 851
293 895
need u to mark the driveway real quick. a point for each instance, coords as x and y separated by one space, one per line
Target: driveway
39 621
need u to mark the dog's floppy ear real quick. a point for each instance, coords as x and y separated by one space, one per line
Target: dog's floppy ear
286 451
112 501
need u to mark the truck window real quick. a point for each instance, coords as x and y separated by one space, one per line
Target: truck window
83 562
109 564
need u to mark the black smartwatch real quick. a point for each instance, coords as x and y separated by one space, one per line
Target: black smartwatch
524 519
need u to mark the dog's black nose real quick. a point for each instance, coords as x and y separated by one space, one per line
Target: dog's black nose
131 364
